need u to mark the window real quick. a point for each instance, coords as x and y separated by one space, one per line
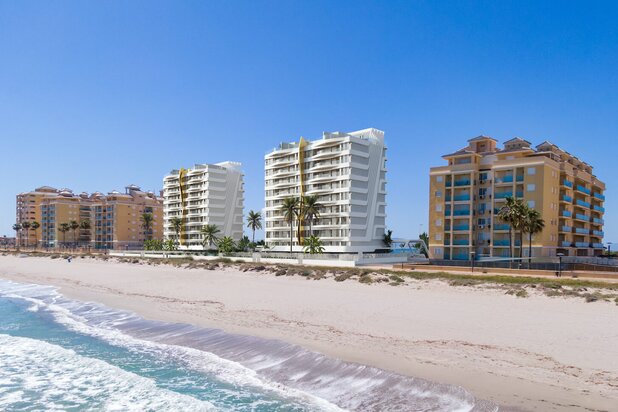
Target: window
437 251
531 187
439 207
532 170
439 179
438 236
531 204
438 222
438 193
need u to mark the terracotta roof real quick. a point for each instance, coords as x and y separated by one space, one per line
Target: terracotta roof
481 137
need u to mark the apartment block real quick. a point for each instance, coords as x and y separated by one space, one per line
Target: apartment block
467 194
115 218
207 194
347 172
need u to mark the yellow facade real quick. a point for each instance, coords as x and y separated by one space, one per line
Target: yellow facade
115 218
466 195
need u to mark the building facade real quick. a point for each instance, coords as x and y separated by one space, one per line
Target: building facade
115 218
207 194
466 195
347 173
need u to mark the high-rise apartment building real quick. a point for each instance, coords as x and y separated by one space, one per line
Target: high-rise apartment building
207 194
115 218
347 173
467 194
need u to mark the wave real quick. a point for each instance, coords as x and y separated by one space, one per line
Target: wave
285 369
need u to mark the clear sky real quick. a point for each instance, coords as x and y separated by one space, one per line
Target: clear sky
98 95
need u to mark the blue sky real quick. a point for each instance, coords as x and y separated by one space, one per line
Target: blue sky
97 95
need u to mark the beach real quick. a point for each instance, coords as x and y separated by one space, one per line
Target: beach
533 353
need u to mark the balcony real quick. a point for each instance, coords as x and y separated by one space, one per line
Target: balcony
519 194
504 179
501 226
599 196
566 198
597 245
505 242
462 182
583 204
520 178
583 189
566 213
460 242
462 198
598 233
598 221
503 195
582 217
582 244
582 230
461 227
567 183
599 208
461 212
567 229
565 243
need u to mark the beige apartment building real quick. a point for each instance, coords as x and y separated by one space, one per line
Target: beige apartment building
466 195
115 218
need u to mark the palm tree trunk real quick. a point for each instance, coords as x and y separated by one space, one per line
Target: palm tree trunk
529 249
510 246
291 234
253 236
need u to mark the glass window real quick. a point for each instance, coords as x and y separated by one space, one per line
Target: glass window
439 207
532 170
439 178
531 204
531 187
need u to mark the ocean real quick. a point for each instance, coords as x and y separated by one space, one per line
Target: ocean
61 354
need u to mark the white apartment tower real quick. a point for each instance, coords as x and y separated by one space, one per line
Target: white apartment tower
347 172
206 194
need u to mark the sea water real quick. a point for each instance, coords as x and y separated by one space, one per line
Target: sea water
61 354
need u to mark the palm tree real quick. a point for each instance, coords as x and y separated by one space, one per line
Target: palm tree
290 208
26 227
17 229
84 225
34 226
74 225
226 245
147 220
209 235
533 224
311 210
254 222
176 223
313 245
511 214
388 238
64 228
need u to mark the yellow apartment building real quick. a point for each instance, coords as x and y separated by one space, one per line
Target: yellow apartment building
115 218
466 195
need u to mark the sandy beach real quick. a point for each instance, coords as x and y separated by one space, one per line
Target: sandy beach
534 353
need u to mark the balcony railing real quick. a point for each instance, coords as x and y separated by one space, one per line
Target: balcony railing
461 212
582 244
599 196
460 198
566 213
597 220
598 233
567 198
582 217
583 189
567 183
519 194
461 242
501 226
582 231
520 178
597 245
505 179
503 195
599 208
462 182
566 243
461 227
583 204
566 229
505 242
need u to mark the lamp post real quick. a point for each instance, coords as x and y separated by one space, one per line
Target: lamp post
559 264
472 253
609 249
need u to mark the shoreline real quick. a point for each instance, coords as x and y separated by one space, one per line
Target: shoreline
534 353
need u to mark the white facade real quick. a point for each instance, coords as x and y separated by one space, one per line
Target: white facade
347 171
206 194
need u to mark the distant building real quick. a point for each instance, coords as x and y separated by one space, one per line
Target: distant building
207 194
115 218
466 195
347 172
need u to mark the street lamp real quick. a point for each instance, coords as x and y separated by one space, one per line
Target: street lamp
559 264
609 249
472 253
